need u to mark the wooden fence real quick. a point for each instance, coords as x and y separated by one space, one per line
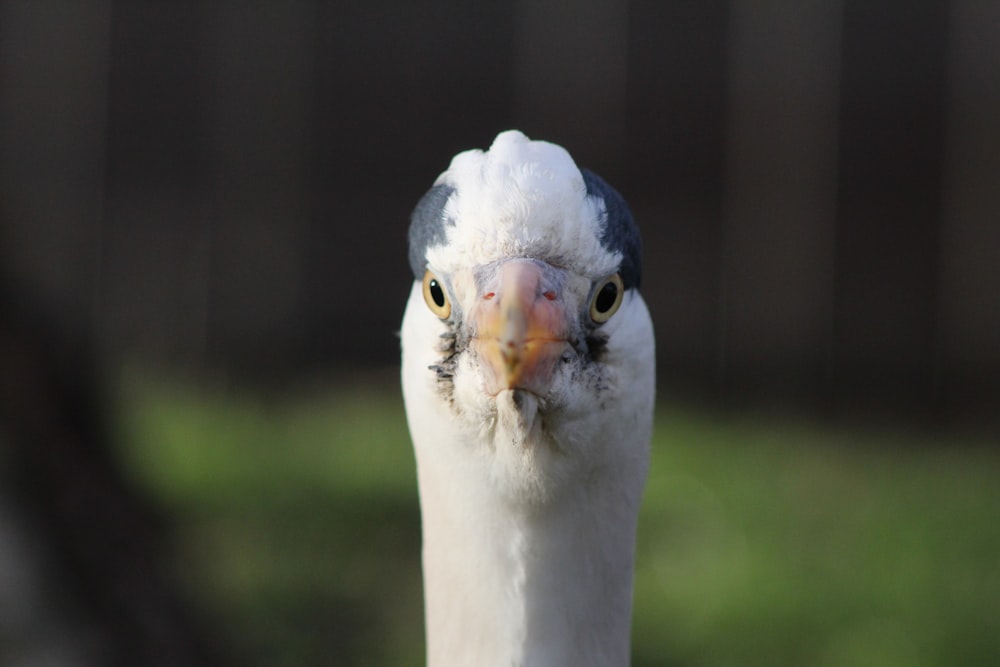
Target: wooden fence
228 184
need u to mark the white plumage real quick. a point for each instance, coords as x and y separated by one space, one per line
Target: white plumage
528 376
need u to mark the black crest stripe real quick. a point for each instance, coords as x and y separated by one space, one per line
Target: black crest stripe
427 223
619 232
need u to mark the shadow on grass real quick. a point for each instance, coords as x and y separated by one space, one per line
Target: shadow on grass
310 578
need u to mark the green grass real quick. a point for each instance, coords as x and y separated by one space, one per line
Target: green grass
763 541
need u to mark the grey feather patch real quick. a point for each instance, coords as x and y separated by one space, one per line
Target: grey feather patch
427 223
619 231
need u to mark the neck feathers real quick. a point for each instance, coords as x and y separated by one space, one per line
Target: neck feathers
528 585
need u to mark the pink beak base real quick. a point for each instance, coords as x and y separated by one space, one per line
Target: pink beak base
521 330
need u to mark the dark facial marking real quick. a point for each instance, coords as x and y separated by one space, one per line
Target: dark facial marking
619 233
445 368
427 226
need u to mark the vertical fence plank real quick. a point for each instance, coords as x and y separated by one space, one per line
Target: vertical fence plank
153 273
891 140
676 130
780 199
969 305
261 70
571 89
53 92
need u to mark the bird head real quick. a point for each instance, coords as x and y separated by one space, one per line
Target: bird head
526 345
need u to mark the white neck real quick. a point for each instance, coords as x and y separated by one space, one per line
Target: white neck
514 577
542 585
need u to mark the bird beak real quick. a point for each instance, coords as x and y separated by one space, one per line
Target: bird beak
521 328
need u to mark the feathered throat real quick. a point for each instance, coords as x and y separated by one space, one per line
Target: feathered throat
518 419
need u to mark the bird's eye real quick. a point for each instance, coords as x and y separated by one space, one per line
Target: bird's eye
435 296
607 298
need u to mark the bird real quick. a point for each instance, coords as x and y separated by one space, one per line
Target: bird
528 378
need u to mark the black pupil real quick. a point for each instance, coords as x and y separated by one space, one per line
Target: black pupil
606 297
437 294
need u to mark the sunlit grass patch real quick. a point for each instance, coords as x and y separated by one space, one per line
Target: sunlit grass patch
765 543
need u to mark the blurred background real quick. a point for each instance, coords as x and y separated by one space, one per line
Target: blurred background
203 214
